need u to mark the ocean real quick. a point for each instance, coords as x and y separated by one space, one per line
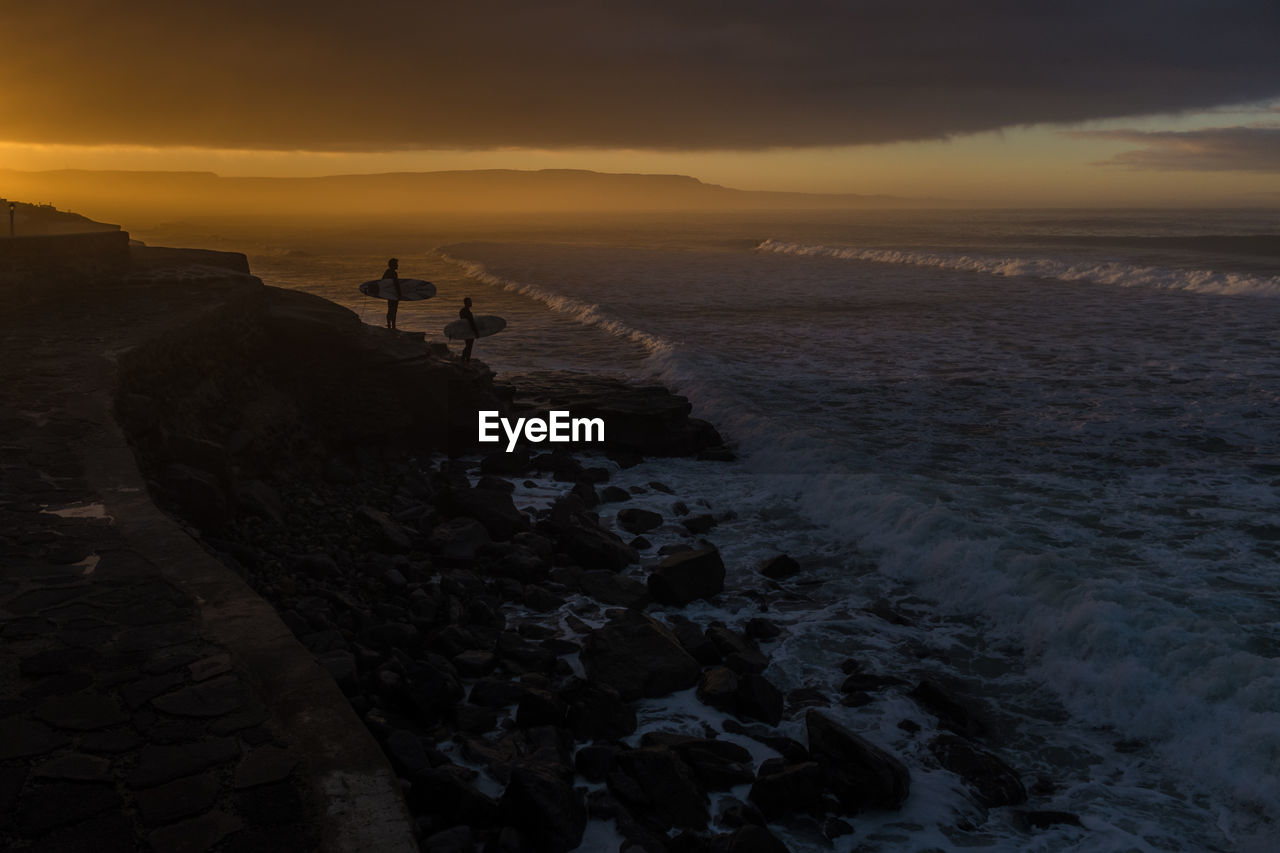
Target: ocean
1045 443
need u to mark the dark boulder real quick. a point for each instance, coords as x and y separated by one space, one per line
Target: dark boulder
638 656
860 774
699 524
585 541
545 807
994 783
959 714
780 567
682 578
695 641
657 783
748 839
609 588
493 508
635 520
515 462
597 712
460 538
757 698
795 789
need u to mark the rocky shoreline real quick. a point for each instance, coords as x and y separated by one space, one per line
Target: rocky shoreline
497 620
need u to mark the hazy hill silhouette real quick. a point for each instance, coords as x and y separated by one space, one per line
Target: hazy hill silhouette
121 193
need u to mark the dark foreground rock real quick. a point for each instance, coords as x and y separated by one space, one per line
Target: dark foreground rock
682 578
861 775
994 783
638 656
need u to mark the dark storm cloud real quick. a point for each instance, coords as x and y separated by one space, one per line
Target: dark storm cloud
1212 149
388 74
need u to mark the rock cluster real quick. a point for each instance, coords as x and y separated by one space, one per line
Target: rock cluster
437 606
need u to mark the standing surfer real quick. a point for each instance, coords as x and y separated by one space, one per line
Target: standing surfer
392 304
466 314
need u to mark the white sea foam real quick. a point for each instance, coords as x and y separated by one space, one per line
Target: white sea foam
586 313
1102 272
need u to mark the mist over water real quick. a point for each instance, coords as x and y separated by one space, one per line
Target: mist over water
1049 438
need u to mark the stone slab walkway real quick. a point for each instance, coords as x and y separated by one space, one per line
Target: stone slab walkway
148 698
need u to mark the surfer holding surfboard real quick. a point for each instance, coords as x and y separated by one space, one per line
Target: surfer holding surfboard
469 327
466 314
392 304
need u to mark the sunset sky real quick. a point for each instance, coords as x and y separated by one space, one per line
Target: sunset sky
995 102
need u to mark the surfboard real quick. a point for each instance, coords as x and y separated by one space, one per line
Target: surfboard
460 330
411 289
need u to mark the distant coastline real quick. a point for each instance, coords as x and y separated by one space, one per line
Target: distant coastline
119 193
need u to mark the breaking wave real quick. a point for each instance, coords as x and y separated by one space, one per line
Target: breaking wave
1102 272
583 312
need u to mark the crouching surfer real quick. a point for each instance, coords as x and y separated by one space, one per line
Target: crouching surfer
466 314
392 302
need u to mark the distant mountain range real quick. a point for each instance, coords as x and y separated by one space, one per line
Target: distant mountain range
119 195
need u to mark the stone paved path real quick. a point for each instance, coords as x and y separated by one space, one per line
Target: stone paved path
124 723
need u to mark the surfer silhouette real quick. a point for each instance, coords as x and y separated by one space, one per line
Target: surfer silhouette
392 304
466 314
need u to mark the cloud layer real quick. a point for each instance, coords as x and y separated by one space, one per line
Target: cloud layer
1212 149
391 74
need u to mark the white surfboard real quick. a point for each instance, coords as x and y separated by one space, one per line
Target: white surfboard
460 330
411 289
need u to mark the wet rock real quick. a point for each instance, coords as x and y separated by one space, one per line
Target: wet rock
638 520
459 538
860 774
493 508
638 656
994 783
682 578
1027 820
540 708
594 762
496 484
761 629
587 543
718 687
796 788
654 781
613 494
507 464
391 534
718 764
448 790
699 524
459 839
758 699
695 642
586 493
780 567
961 715
407 752
545 807
609 588
597 712
748 839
